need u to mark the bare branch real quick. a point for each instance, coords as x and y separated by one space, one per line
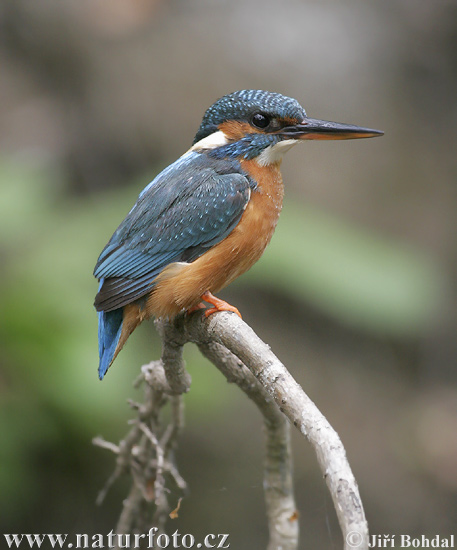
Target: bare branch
172 349
100 442
278 482
145 454
248 362
235 335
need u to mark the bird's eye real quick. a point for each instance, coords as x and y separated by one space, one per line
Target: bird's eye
259 120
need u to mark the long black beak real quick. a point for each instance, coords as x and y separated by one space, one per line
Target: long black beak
312 128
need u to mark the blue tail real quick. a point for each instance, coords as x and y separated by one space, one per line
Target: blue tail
109 332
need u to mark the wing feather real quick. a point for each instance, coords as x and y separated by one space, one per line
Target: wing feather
191 206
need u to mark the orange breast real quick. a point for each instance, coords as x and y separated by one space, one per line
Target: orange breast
181 285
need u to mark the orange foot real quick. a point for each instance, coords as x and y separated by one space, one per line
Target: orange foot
219 305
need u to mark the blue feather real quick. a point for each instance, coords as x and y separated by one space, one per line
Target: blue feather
190 206
109 332
242 104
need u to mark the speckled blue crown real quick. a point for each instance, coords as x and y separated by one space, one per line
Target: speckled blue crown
240 105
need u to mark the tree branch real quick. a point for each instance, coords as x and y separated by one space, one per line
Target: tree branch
231 332
278 481
245 360
146 452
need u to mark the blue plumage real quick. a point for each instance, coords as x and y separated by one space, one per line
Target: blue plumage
186 210
246 148
109 332
240 105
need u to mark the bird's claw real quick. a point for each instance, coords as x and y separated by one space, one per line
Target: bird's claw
218 305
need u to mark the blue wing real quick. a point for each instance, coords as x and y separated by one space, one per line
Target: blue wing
191 206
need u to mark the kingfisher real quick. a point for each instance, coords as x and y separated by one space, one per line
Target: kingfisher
206 218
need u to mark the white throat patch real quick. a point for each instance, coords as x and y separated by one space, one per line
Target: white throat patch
274 153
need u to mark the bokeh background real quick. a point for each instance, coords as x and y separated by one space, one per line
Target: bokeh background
357 292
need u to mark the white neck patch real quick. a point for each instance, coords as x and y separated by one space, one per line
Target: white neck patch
214 140
274 153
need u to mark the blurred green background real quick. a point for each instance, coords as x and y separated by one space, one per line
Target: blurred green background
357 292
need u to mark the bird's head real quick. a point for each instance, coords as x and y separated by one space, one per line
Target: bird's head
255 124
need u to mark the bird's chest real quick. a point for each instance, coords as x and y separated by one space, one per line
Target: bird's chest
235 254
262 212
248 240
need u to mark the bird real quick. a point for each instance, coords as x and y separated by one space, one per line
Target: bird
206 218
